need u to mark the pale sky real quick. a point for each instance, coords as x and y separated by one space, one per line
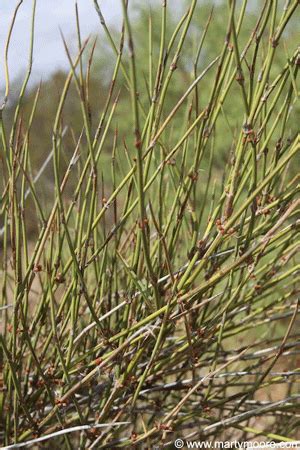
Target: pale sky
49 53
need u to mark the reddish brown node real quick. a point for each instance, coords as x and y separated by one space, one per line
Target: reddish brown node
133 436
60 402
60 278
37 268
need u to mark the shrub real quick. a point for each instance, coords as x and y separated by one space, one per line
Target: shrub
156 295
